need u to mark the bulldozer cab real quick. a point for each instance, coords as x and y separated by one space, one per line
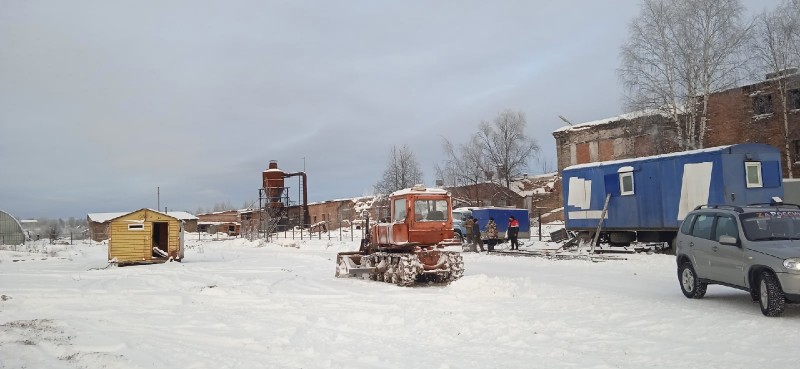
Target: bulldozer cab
418 215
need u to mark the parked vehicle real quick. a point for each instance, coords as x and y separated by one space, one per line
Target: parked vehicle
647 198
754 248
408 247
500 215
460 215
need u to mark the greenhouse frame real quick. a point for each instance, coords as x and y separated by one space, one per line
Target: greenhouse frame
10 230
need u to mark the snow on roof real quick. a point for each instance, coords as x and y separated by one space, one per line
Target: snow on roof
626 116
216 223
182 215
104 217
531 185
633 160
419 190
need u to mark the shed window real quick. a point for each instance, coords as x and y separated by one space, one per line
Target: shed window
752 170
626 183
135 227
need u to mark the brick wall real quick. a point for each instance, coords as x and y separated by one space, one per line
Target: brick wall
616 139
332 212
732 119
222 216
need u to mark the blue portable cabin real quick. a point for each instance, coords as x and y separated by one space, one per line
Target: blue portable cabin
651 195
500 216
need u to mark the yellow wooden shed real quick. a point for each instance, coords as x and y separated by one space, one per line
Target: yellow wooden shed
145 236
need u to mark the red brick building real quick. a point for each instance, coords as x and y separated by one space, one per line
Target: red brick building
754 113
746 114
630 135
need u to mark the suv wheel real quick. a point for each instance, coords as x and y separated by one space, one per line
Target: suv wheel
690 284
457 235
770 295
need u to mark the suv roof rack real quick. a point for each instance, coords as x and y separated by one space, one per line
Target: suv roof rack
773 205
738 209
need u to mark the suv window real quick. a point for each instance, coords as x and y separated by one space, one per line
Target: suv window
726 226
770 225
687 224
702 226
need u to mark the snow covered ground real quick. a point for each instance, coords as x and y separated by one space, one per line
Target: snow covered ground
240 304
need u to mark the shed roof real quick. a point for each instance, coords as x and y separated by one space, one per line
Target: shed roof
105 217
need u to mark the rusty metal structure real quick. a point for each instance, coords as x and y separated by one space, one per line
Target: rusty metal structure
408 248
273 199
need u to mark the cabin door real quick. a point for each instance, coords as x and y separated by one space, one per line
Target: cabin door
160 239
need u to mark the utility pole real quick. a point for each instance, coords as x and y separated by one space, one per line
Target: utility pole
158 197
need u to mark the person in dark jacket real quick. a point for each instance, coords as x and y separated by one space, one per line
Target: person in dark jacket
468 224
476 236
513 232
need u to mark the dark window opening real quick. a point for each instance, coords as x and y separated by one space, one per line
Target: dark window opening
796 150
794 99
762 104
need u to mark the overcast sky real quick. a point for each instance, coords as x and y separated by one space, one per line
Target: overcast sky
102 102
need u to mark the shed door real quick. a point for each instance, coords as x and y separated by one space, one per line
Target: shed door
160 239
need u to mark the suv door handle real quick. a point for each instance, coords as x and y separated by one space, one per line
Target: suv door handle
691 244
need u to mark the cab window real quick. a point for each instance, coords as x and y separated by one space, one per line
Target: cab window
399 210
430 210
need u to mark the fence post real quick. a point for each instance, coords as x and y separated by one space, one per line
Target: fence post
351 231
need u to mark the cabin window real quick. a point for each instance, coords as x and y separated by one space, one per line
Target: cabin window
430 210
752 171
626 183
399 210
135 227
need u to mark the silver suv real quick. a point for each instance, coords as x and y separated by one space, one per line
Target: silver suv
755 248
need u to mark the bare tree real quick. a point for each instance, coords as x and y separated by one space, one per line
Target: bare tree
402 171
678 53
53 231
222 206
465 165
774 48
505 145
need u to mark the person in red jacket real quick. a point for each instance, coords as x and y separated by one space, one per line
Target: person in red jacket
513 232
